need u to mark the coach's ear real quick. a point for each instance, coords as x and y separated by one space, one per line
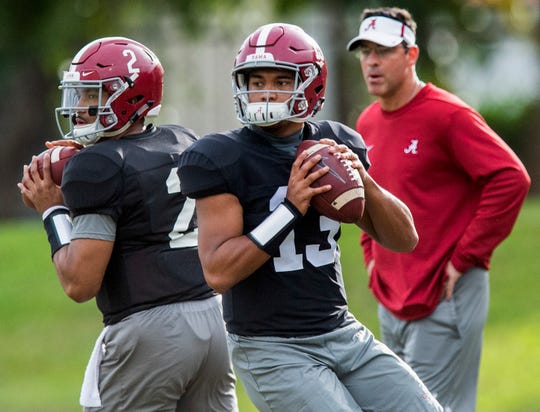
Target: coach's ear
413 52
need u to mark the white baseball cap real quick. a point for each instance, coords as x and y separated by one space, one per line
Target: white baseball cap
383 30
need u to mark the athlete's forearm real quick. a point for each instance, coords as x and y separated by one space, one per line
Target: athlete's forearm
227 255
387 220
81 265
232 262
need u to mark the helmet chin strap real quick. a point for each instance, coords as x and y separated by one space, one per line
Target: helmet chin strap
116 132
85 135
89 134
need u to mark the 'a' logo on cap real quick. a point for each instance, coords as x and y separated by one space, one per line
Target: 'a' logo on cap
371 25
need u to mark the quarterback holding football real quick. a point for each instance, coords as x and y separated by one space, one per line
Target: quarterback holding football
122 232
275 257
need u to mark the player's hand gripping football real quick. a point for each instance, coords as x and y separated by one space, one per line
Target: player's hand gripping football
345 201
63 142
38 192
348 154
299 190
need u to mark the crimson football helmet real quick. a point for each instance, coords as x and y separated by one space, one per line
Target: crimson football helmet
128 71
281 46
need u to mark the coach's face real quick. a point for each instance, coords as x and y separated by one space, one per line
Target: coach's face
386 69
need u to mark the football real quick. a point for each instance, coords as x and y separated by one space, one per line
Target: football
59 157
345 201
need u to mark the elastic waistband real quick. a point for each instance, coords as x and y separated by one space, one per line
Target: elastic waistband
198 305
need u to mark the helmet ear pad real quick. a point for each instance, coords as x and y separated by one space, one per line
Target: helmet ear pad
316 88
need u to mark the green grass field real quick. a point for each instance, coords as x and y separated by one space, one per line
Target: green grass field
46 339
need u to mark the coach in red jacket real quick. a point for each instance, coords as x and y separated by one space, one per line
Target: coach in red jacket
464 187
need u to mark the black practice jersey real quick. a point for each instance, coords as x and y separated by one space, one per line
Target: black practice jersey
135 181
300 291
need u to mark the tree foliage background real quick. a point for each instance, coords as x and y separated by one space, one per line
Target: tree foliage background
36 37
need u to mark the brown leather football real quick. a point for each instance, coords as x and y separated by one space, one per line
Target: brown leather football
59 157
345 201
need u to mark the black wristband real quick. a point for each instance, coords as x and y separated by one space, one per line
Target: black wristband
275 228
58 227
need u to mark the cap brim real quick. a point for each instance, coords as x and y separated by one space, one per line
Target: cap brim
386 40
354 43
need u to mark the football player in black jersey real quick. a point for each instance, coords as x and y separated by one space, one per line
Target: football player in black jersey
294 344
133 240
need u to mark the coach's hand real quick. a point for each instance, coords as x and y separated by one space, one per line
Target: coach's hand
452 276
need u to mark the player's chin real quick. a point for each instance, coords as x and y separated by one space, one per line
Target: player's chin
276 128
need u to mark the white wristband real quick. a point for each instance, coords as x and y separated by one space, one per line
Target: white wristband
271 232
57 223
52 209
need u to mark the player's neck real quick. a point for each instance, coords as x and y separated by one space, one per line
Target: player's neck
284 128
136 128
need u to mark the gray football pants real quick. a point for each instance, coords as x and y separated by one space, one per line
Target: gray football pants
346 370
171 358
444 348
